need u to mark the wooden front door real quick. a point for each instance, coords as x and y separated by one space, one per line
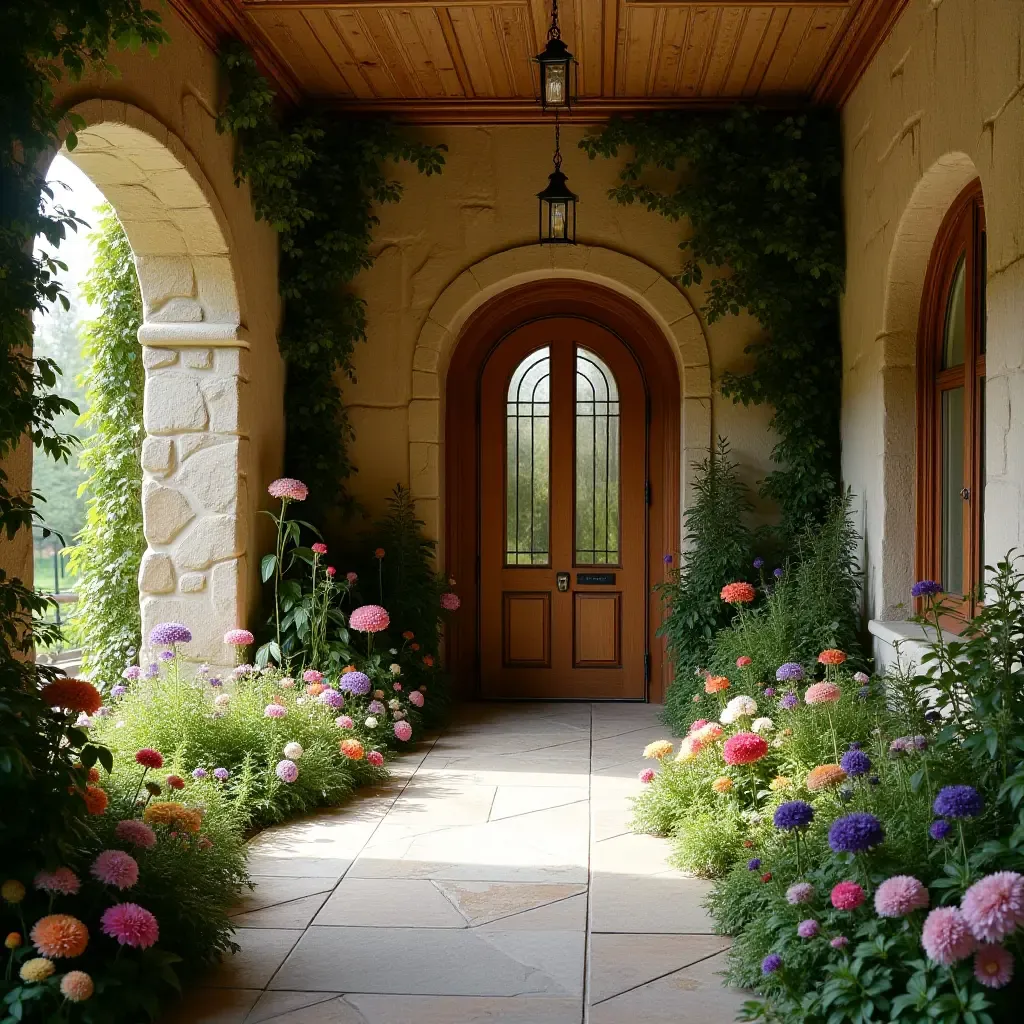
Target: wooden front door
563 505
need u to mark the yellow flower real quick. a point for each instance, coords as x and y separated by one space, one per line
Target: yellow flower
658 749
780 783
12 891
38 969
13 940
722 784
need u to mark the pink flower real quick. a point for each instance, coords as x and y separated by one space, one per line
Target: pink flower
131 925
275 711
116 868
450 602
946 937
800 892
319 549
403 731
647 776
312 676
138 833
288 488
807 929
839 942
376 758
993 965
330 570
994 906
344 722
238 638
822 693
351 577
847 896
744 748
150 758
62 881
369 618
416 698
899 896
287 771
744 661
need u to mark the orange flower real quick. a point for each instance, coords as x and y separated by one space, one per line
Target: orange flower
348 668
95 799
408 635
13 940
414 647
722 784
72 695
428 661
714 684
315 689
738 593
379 553
832 656
658 749
173 815
825 776
351 748
60 935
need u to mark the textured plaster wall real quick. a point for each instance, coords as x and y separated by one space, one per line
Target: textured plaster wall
941 104
214 378
484 204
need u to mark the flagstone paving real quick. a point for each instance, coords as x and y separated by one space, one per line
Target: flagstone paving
494 878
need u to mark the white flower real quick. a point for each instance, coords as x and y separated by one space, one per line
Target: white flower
221 699
119 725
763 725
396 670
394 650
287 682
293 750
394 704
737 707
861 677
370 723
301 700
778 742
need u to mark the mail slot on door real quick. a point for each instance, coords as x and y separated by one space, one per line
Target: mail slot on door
595 579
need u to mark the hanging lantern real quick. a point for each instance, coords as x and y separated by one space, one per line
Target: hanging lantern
557 206
557 69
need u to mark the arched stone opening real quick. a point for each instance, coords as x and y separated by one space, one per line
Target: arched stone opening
904 286
195 356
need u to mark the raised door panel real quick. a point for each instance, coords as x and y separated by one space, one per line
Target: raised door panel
597 630
526 632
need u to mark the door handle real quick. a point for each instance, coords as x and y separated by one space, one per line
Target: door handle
965 493
562 581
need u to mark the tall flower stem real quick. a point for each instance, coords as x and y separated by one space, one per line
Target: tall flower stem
279 559
832 729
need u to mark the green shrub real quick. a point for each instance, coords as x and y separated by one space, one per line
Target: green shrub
706 843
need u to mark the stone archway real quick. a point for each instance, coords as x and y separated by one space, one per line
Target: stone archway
649 289
195 357
906 272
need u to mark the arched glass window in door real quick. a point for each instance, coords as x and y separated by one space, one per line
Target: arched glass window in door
597 462
528 460
951 406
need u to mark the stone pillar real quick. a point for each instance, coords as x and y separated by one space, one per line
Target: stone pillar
194 461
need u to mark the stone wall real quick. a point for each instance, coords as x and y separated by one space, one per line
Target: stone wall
482 213
941 104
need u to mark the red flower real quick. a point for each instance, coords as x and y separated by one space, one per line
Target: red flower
175 782
766 877
379 553
738 593
832 656
428 661
414 647
150 758
744 748
72 695
408 634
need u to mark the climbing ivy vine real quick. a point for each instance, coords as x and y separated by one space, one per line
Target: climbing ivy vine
108 551
761 193
315 179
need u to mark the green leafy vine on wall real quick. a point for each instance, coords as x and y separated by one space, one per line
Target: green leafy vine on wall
108 551
315 179
761 192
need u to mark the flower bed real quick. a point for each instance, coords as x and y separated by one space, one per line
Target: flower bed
866 834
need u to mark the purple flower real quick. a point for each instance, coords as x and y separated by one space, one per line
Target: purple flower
332 699
925 588
939 829
793 814
357 683
759 562
166 655
667 559
167 634
221 773
789 701
769 691
919 742
375 707
789 673
839 942
864 692
771 963
855 833
958 802
855 762
132 672
807 929
216 681
198 773
754 863
777 574
118 691
287 771
152 670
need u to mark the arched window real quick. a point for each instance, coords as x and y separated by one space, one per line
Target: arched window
951 405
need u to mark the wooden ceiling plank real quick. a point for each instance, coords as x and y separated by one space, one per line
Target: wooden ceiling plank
405 33
429 24
697 51
326 31
792 39
289 33
723 54
825 25
352 29
515 33
765 51
381 36
589 47
755 24
474 33
613 49
455 50
669 58
639 31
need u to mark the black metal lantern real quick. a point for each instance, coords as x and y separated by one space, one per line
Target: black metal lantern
556 211
557 69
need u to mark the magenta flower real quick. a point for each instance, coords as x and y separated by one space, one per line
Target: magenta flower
319 549
899 896
131 925
403 731
994 906
312 676
847 896
116 868
288 489
450 602
369 618
647 776
376 758
993 965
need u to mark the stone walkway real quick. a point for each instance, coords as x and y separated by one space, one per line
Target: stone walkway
493 879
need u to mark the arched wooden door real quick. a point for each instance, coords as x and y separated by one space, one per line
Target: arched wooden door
563 515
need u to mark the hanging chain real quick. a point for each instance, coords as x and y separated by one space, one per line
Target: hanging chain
554 32
558 153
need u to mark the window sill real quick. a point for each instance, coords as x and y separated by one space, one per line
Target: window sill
911 637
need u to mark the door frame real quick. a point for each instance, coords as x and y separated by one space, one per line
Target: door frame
482 332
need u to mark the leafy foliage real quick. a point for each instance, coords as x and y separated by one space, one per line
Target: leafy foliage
315 179
761 192
109 550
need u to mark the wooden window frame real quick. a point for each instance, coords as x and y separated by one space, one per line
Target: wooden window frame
962 233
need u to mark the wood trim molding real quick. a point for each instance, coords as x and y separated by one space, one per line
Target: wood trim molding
869 27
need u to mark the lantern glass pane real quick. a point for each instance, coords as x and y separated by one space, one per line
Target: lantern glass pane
559 218
554 84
